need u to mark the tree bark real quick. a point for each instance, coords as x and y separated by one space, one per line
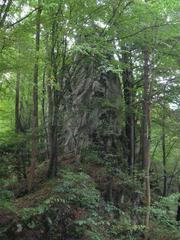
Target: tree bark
127 77
44 115
17 103
53 103
18 123
146 134
35 102
164 151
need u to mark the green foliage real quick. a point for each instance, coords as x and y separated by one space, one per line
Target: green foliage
6 200
90 156
41 208
78 188
6 195
49 216
95 37
125 229
94 235
76 201
163 215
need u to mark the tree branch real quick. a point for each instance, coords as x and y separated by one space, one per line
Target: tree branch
22 19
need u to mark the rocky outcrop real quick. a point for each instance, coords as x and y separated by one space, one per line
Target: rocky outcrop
92 112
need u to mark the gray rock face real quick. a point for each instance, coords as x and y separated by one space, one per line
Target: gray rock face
92 115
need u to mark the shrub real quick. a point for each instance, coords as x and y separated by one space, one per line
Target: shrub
79 189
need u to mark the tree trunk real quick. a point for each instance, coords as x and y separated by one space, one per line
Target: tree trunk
146 134
164 151
18 123
52 170
17 103
35 103
127 77
44 116
53 103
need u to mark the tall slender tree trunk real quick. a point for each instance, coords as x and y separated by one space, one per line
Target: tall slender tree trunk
43 105
50 114
164 164
35 102
164 151
54 96
21 168
146 135
52 170
17 121
17 103
127 77
53 102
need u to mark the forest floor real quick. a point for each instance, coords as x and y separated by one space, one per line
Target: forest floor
28 208
74 205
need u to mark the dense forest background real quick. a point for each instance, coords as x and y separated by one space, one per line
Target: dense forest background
89 119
